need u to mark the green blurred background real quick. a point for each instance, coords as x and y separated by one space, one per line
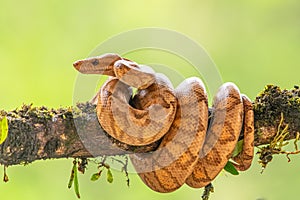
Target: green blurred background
253 43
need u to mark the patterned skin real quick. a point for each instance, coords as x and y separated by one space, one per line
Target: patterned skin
191 150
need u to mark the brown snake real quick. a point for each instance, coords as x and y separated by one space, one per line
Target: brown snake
191 151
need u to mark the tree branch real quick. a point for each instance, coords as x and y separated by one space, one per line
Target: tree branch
39 133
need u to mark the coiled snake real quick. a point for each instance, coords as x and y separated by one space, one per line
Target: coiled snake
191 151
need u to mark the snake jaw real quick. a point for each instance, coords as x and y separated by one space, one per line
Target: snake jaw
98 65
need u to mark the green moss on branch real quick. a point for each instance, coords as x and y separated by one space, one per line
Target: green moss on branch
269 105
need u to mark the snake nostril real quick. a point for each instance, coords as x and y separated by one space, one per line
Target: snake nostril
77 65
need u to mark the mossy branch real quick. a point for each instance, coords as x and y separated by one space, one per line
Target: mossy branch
37 133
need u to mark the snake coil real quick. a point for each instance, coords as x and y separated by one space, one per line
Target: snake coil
191 151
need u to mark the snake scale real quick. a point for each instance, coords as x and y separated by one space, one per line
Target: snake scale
193 149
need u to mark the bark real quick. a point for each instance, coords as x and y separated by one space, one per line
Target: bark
37 133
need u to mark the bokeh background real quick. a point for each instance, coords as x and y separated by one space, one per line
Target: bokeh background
253 43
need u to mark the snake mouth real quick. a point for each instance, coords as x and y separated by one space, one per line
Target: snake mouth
85 67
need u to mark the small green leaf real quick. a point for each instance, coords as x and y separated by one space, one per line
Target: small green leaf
229 167
71 180
96 176
76 184
238 148
3 129
74 179
110 177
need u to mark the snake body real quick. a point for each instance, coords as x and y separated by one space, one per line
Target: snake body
191 150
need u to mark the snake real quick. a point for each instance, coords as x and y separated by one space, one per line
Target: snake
138 106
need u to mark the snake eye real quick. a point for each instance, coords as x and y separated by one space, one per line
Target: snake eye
95 62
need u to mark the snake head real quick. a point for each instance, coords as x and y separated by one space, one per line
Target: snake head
103 64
